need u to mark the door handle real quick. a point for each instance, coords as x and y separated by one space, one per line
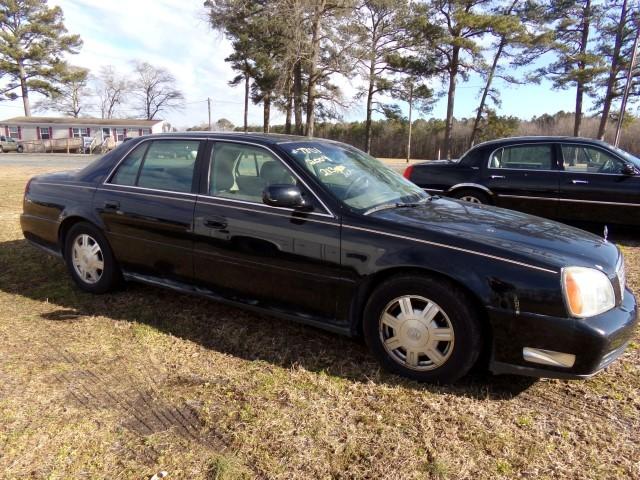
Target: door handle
579 182
111 205
497 176
217 223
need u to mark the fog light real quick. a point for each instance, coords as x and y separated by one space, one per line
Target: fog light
548 357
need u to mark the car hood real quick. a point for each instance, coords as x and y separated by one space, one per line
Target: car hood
503 232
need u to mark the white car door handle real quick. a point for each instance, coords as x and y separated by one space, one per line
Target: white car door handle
579 182
497 176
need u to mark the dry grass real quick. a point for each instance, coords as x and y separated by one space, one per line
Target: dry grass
128 384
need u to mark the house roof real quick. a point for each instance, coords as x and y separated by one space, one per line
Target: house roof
131 122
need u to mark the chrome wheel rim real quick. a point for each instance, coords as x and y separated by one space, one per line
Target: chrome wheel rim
87 258
416 333
470 199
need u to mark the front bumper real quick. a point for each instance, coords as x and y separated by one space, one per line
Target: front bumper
596 342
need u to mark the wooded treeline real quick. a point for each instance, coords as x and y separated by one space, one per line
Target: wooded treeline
389 136
292 55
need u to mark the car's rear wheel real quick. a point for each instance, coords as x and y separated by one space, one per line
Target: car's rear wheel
1 149
20 149
472 196
422 328
90 260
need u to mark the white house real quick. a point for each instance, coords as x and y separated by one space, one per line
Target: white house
34 129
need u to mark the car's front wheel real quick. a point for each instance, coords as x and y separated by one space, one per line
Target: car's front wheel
422 328
90 260
20 149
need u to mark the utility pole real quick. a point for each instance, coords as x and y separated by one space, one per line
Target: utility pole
209 107
627 87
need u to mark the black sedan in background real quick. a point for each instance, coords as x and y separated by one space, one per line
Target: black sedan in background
322 233
564 178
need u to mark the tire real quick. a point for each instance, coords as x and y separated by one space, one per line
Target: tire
1 149
472 196
20 149
425 359
93 272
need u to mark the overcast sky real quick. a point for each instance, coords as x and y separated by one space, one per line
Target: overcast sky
174 34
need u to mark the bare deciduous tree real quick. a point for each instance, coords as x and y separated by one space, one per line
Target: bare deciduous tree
154 91
110 89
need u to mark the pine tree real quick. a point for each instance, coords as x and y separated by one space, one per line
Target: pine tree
453 30
33 39
71 96
522 36
576 64
615 44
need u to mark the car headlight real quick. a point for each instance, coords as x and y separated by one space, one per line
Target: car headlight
587 291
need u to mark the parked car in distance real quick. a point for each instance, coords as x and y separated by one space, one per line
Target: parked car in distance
563 178
8 144
319 232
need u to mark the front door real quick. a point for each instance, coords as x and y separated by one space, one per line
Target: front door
595 188
524 178
147 208
260 254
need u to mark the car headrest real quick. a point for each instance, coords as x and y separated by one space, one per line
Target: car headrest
274 173
222 177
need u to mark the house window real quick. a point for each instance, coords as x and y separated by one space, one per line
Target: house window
14 132
120 134
146 131
44 133
79 132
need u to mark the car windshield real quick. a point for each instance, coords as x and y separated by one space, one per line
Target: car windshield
355 178
627 156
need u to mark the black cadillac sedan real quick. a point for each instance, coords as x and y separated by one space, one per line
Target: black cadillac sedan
564 178
319 232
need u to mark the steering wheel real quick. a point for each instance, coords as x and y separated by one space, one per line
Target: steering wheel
609 166
353 184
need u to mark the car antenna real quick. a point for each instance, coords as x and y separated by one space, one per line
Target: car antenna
605 233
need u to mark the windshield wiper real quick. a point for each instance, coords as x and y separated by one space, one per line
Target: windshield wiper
387 206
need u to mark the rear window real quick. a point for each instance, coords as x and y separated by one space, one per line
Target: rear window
162 165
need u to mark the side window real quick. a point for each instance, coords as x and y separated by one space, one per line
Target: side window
581 159
169 165
128 170
242 172
523 157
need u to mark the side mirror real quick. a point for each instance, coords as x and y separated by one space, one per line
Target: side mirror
629 169
287 196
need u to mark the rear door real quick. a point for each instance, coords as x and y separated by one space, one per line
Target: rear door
595 188
265 255
524 177
147 207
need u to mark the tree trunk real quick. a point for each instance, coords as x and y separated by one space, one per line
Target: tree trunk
586 23
613 72
315 52
485 92
297 96
246 102
410 121
288 109
453 73
367 128
267 113
25 90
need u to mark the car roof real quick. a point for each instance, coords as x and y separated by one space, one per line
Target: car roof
263 138
541 139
